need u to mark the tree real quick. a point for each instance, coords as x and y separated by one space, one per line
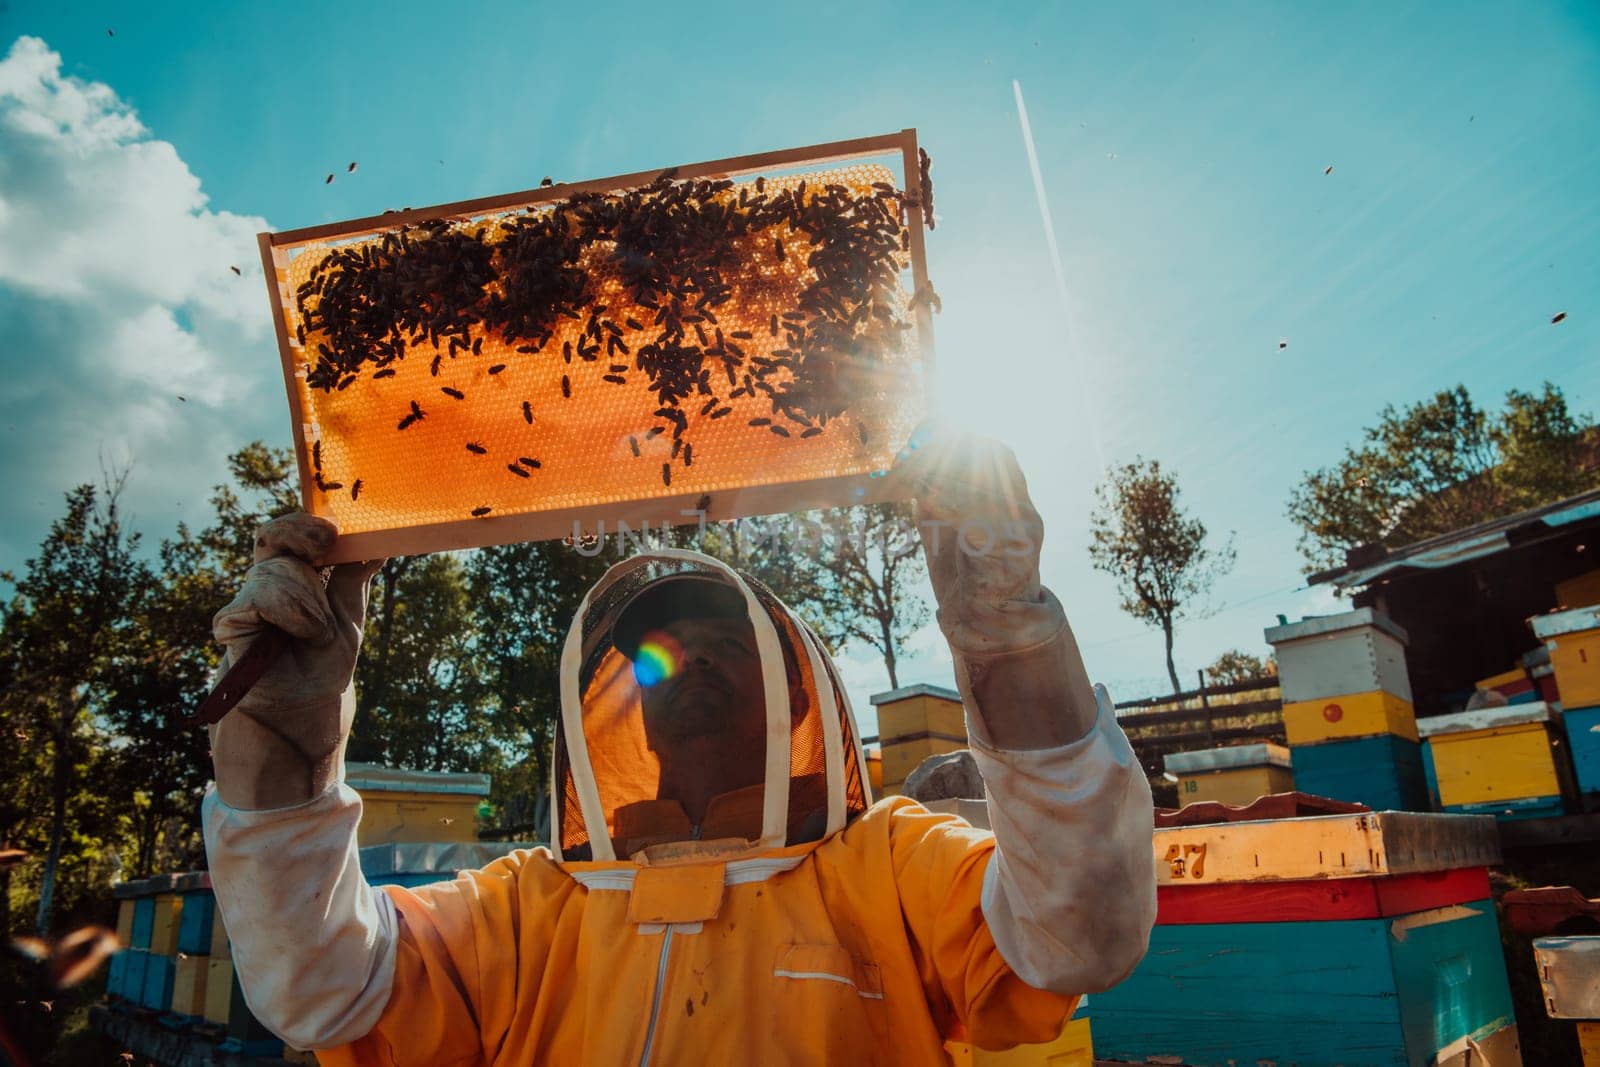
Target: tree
66 630
420 700
1158 555
1235 666
1440 465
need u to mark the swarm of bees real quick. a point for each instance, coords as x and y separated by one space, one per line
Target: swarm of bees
682 250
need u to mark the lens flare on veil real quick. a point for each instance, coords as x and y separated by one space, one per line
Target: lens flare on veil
659 658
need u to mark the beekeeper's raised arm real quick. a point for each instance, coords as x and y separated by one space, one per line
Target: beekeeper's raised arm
1070 893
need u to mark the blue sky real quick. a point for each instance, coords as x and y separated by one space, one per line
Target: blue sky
1183 150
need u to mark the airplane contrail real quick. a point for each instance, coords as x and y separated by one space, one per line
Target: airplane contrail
1092 411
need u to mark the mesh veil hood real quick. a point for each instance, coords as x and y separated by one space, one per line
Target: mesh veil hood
606 780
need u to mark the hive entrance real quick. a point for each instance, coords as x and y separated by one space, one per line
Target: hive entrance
625 349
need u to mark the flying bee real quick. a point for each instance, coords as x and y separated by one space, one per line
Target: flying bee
497 368
666 474
387 372
518 471
479 513
761 422
527 462
688 455
811 432
779 430
527 413
355 490
447 391
566 386
616 379
475 448
633 443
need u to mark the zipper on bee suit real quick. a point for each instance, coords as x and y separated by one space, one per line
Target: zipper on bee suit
655 1003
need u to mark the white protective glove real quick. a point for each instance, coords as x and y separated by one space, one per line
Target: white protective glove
1016 661
284 742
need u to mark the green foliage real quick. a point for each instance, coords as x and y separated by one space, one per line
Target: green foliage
1157 554
1440 465
1235 666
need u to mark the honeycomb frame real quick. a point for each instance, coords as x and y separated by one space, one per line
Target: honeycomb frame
770 482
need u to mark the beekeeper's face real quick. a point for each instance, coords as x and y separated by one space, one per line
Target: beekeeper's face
701 678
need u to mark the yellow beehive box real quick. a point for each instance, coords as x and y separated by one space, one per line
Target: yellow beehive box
915 722
125 922
1074 1048
219 939
1374 844
1495 758
189 985
411 807
1579 592
1309 722
1236 775
164 931
219 990
1573 638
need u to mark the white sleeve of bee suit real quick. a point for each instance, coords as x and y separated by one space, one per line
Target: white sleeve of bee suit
1070 891
313 944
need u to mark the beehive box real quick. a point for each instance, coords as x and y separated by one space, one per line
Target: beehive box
1573 638
1340 718
1496 761
1383 772
116 975
1569 975
189 986
404 806
717 339
915 722
219 949
246 1035
133 974
144 918
1515 685
1236 775
195 921
164 922
1073 1048
1331 940
158 975
219 990
125 909
1338 655
1579 592
422 863
1583 741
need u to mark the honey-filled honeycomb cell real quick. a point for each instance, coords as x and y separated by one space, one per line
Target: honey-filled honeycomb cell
683 337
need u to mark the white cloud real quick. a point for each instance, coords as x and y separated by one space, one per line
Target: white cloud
117 298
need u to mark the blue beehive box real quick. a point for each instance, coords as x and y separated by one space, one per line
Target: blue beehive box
144 921
133 969
116 973
421 863
1384 772
194 923
1373 991
157 988
1583 739
1240 971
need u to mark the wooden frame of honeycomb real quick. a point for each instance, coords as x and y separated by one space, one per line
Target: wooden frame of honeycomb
418 441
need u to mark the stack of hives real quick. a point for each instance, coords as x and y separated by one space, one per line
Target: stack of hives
1348 711
1338 939
176 966
1572 638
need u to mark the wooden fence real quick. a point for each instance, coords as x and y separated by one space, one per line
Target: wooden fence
1208 717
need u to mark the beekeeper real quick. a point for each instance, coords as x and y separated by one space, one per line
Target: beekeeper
719 886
